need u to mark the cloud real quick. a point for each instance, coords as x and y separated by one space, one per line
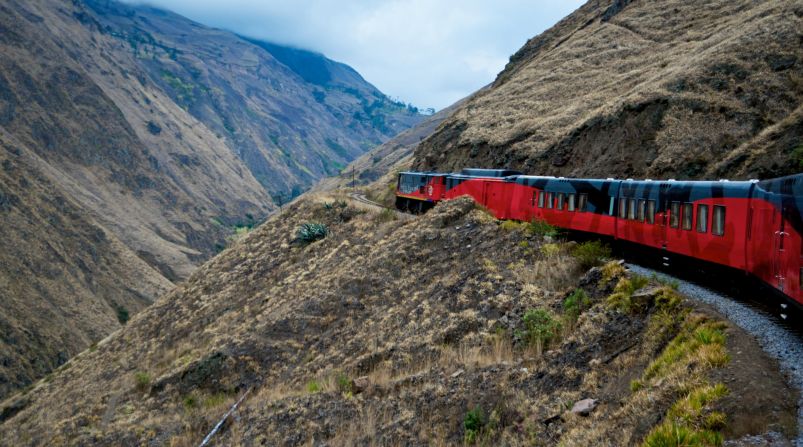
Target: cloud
427 52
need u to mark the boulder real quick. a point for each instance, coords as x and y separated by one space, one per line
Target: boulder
584 407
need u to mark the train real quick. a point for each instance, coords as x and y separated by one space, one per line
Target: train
752 226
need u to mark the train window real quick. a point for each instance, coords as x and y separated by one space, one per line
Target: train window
571 201
651 211
535 195
561 200
541 198
674 215
688 215
610 207
631 210
702 218
550 200
623 208
718 223
642 208
583 202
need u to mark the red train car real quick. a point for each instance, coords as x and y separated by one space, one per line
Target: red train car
752 226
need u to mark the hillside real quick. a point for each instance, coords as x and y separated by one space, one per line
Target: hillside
387 158
441 330
658 89
65 282
152 139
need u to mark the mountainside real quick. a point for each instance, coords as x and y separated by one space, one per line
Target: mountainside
151 138
445 329
292 116
387 158
65 282
658 89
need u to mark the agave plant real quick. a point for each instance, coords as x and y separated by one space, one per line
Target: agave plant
311 231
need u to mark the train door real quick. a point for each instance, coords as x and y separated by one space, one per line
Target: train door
783 263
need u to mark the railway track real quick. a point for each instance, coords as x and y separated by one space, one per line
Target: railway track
361 198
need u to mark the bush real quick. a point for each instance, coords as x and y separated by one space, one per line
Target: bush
542 228
540 327
591 253
143 380
311 231
313 386
575 303
344 383
623 292
122 315
473 422
550 250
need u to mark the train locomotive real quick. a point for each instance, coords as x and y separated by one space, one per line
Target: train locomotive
753 226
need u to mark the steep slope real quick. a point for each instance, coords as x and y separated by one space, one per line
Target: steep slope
125 143
65 282
119 147
641 89
291 116
386 158
411 332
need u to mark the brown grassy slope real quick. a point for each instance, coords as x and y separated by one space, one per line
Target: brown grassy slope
69 96
645 88
429 310
63 278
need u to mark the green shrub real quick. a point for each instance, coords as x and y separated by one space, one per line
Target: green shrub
311 231
142 380
344 383
591 253
540 327
511 225
541 228
122 315
575 303
550 250
473 422
313 386
623 292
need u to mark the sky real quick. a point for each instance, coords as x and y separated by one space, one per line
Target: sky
430 53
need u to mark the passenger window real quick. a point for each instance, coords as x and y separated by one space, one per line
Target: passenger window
541 199
623 208
535 195
561 200
610 206
642 205
702 218
550 200
718 224
583 205
651 212
571 202
674 215
688 215
631 211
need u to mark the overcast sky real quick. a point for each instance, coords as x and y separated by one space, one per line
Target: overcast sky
427 52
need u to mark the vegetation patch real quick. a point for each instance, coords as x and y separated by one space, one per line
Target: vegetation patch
700 342
310 232
142 380
591 253
622 297
691 421
541 228
575 304
540 327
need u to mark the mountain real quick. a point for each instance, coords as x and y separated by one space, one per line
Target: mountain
661 89
445 329
150 138
388 157
292 116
